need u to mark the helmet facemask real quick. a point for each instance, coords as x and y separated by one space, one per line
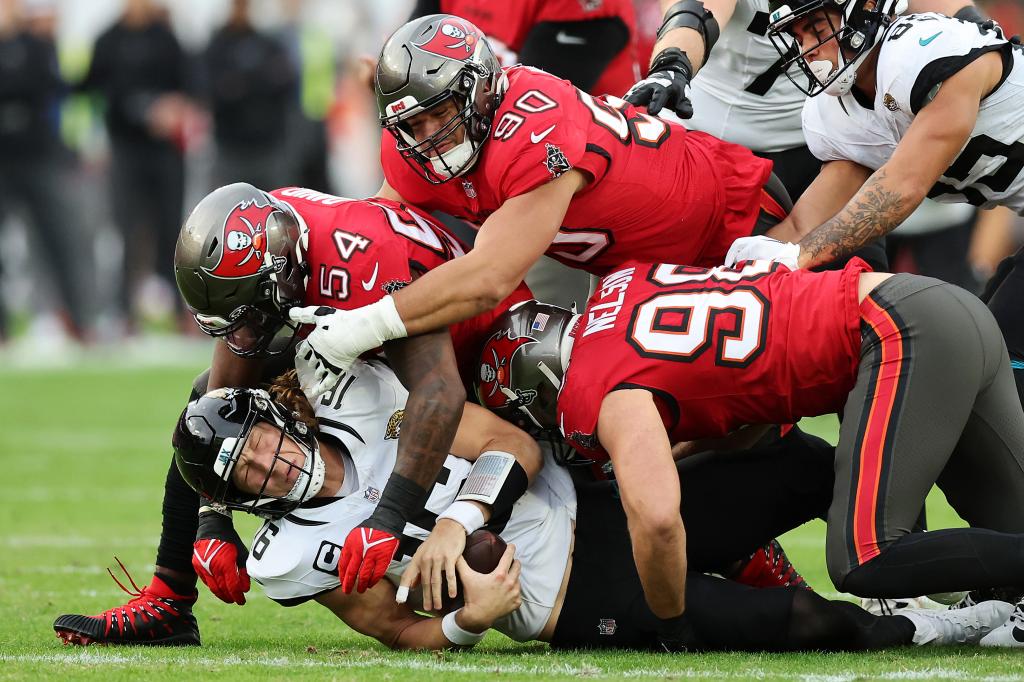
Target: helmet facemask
855 31
467 121
244 410
251 331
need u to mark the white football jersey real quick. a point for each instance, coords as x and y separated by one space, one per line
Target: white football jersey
917 53
741 94
295 558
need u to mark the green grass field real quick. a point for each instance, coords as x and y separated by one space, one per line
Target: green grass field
84 451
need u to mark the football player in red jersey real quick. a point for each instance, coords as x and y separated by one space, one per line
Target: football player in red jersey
243 257
543 168
592 44
671 354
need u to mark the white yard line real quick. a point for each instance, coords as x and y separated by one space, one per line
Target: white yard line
92 657
22 541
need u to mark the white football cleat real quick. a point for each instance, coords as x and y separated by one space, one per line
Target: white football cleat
891 607
1010 633
957 626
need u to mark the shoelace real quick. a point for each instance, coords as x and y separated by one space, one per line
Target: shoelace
782 566
141 605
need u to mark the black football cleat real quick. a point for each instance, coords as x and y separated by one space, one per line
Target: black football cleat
769 566
155 616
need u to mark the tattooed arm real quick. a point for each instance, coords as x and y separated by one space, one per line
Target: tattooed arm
939 131
426 366
836 184
877 208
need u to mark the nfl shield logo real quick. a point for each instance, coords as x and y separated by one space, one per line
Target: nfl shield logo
606 626
371 494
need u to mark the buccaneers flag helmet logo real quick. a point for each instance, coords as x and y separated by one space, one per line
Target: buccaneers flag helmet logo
495 370
454 38
244 240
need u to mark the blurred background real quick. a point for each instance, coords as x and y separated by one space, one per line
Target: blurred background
116 116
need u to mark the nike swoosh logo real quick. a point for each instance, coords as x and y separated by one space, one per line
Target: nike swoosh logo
369 544
924 41
206 564
537 137
373 278
566 39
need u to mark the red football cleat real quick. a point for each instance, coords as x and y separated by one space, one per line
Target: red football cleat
154 616
769 566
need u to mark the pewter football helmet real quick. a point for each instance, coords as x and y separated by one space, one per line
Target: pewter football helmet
240 265
425 63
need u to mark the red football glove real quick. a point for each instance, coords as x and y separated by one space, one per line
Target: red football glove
218 557
366 555
216 563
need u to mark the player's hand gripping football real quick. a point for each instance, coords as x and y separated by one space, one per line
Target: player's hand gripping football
218 557
341 336
365 558
667 85
434 562
763 248
490 596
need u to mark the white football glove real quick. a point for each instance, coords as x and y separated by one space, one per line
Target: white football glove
763 248
340 337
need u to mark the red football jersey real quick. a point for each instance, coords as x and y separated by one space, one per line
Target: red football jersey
658 191
510 22
362 250
719 348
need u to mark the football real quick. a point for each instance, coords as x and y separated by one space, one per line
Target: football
483 550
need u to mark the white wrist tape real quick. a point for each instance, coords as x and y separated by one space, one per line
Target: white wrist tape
487 476
466 514
456 635
387 322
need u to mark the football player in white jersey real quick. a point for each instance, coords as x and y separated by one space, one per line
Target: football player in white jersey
741 94
917 106
315 480
924 105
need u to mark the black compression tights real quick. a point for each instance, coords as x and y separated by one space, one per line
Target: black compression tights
940 561
816 623
179 523
728 616
180 518
1004 295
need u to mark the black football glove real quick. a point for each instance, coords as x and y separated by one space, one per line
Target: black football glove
667 85
676 635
